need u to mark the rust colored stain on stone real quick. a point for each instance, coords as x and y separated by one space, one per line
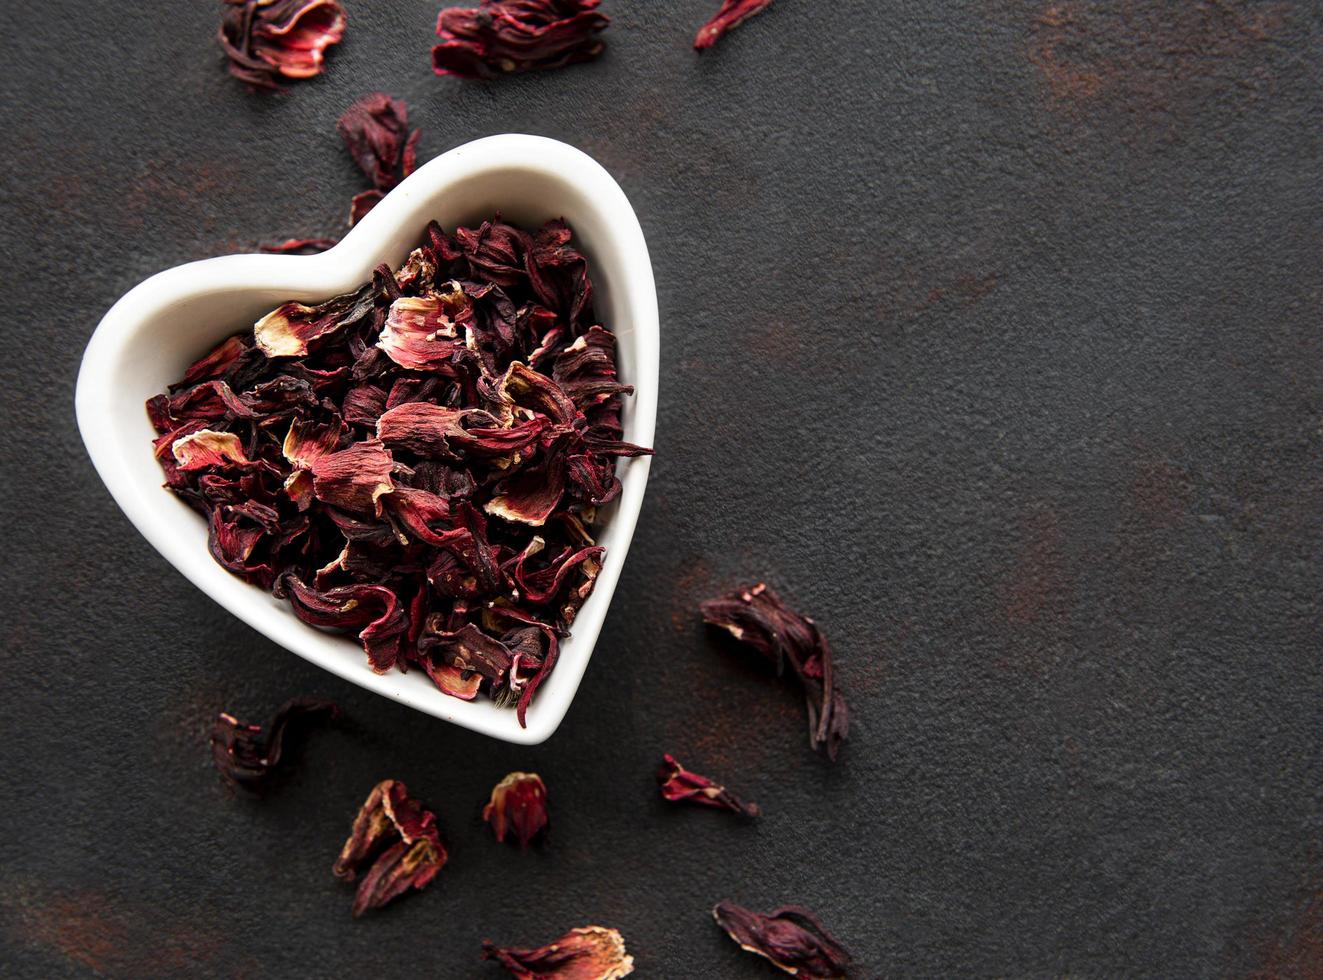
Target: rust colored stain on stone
106 934
1297 954
1154 66
1039 581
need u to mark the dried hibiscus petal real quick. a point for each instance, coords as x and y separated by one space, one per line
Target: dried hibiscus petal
732 14
375 130
757 617
394 846
300 246
249 756
791 937
269 39
289 330
518 806
500 37
354 479
587 953
206 448
678 784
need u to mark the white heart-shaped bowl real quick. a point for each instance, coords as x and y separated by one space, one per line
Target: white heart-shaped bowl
150 337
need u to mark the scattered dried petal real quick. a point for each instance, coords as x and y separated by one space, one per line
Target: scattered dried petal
266 40
678 784
500 37
732 14
518 805
791 937
375 129
757 617
394 845
300 246
588 953
249 756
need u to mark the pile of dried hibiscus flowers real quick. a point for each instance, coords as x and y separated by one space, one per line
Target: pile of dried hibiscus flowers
419 461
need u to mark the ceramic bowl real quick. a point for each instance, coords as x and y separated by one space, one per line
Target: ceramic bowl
161 326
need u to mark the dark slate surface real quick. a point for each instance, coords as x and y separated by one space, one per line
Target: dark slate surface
993 335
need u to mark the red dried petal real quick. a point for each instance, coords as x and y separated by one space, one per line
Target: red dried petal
732 14
290 330
791 937
268 39
506 36
249 756
308 441
468 648
394 845
374 130
422 332
588 953
217 362
374 608
300 246
680 785
207 447
518 805
757 617
355 479
363 202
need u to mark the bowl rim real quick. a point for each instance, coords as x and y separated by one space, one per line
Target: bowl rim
345 265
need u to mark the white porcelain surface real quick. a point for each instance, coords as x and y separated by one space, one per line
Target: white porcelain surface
151 335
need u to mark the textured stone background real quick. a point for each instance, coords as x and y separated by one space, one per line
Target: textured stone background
991 334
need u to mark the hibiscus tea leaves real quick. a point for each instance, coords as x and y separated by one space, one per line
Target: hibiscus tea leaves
679 785
793 645
504 37
268 42
586 953
394 847
416 463
790 937
252 757
731 14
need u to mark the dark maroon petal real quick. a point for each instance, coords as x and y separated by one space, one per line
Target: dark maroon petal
586 370
732 14
535 391
355 479
290 330
543 586
518 806
409 163
374 608
757 617
588 953
249 756
233 533
363 202
210 401
432 430
374 130
394 846
506 36
300 246
468 648
791 937
678 784
363 405
217 363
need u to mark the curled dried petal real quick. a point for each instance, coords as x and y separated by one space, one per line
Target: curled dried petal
299 246
506 36
374 608
757 617
249 756
207 447
289 330
791 937
519 806
394 846
269 39
679 784
732 14
375 129
587 953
